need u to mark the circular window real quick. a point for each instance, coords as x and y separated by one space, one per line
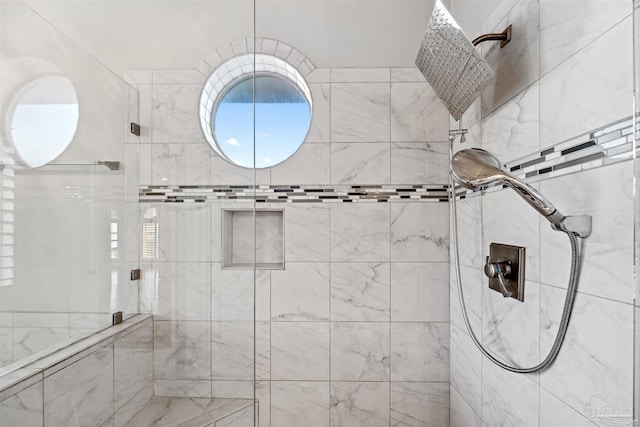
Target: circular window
44 119
261 134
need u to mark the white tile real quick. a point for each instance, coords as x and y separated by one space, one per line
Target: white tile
232 389
6 346
298 403
175 113
419 163
27 341
420 232
360 163
169 411
311 164
36 320
360 291
23 409
417 404
606 195
516 66
133 364
473 283
519 390
512 131
555 412
182 350
135 404
360 232
420 292
263 395
599 339
461 413
560 37
232 346
145 95
182 388
406 75
319 75
470 244
181 164
307 232
417 114
588 90
182 291
356 404
301 292
419 351
83 390
232 297
320 130
223 172
308 359
360 351
360 75
262 351
360 112
183 232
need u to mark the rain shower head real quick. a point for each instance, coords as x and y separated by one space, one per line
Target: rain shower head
450 63
474 168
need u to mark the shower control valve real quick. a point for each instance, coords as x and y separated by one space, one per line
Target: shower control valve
505 269
498 270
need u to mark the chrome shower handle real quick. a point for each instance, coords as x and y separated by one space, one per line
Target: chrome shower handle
499 270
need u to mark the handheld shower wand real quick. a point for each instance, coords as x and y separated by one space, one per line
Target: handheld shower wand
474 168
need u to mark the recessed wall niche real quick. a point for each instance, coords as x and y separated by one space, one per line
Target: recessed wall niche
238 235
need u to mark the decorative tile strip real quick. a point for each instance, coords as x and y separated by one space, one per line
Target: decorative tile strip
293 193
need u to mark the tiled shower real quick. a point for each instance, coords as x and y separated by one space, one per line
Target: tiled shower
323 288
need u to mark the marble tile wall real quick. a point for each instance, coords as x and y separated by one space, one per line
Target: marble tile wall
564 88
354 330
102 382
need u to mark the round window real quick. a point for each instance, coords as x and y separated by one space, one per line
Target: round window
44 119
262 128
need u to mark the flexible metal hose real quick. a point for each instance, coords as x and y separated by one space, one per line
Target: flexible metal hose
568 302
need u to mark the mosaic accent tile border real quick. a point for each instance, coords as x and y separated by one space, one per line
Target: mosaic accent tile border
293 193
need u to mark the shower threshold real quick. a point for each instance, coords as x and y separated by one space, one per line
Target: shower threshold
194 412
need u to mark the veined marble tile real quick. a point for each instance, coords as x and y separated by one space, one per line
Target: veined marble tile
182 350
417 114
28 341
183 291
263 396
411 74
36 320
557 19
360 291
512 131
319 75
262 350
145 165
177 76
599 340
299 403
415 404
470 245
182 388
145 96
518 225
307 232
360 351
135 404
90 320
223 172
555 412
420 232
175 113
311 164
232 389
606 195
23 409
360 112
420 292
133 364
184 232
519 390
473 282
461 413
419 351
516 66
360 232
588 90
169 411
360 163
320 130
242 418
232 345
6 319
181 164
360 75
356 404
301 292
233 294
6 346
300 351
131 172
81 391
423 162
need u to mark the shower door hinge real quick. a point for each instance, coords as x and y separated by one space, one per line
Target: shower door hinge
135 129
116 318
135 274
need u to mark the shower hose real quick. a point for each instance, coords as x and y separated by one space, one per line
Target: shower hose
566 311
